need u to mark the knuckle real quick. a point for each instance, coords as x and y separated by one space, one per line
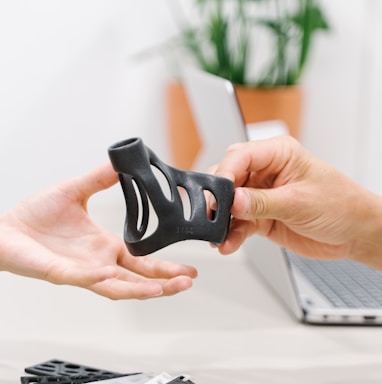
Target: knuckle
258 204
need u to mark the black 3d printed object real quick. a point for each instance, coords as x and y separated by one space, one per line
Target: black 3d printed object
144 192
63 372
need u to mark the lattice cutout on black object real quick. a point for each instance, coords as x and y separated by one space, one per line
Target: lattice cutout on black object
63 372
56 367
134 163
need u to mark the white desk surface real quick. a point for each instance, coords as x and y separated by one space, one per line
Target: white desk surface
227 329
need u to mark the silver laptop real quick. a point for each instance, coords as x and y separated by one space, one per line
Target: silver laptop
315 291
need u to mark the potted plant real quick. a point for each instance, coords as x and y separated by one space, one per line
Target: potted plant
261 46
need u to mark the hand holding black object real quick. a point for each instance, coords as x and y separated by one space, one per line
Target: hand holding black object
134 161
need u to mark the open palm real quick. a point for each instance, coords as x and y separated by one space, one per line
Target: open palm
50 236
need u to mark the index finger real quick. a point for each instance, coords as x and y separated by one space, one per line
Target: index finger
263 157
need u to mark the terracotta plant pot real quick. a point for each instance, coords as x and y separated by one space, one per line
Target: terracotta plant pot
257 104
280 103
183 136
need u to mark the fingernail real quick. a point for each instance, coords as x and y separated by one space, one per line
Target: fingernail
153 295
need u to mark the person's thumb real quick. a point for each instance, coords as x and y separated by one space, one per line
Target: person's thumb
251 203
99 179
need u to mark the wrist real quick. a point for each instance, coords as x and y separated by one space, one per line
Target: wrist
367 246
3 246
9 243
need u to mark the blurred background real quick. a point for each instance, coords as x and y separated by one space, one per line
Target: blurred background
69 88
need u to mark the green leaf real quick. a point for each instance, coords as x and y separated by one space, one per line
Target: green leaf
223 39
317 18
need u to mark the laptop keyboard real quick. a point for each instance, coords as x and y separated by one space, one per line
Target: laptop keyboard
344 282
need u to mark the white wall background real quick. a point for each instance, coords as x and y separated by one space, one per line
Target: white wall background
68 91
68 88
